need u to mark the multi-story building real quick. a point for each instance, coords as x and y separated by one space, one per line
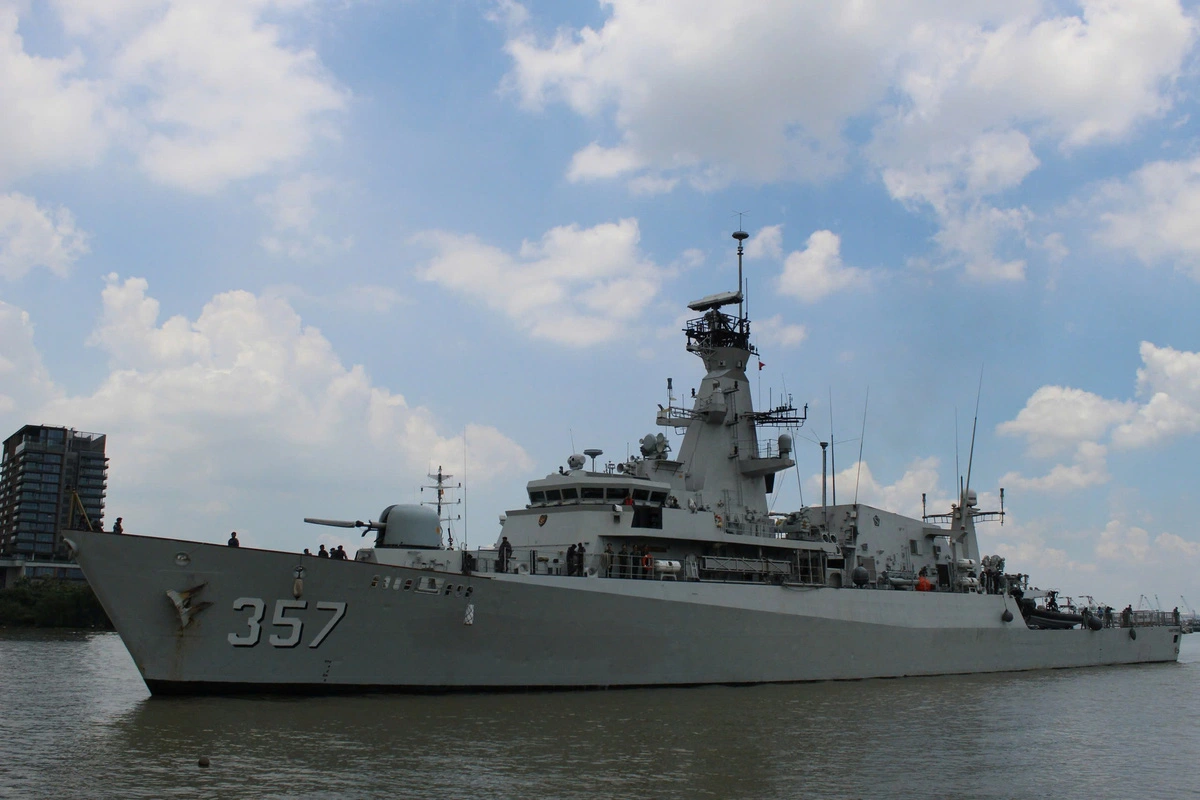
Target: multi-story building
49 479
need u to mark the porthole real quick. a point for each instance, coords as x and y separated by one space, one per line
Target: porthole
458 590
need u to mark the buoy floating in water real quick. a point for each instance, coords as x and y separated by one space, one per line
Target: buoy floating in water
204 762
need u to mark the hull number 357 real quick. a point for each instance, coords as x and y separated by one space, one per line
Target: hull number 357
291 627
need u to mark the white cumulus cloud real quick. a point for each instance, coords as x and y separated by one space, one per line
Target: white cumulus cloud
1169 383
243 411
32 237
955 95
575 285
773 330
294 212
817 271
1153 214
199 93
1057 418
1089 468
52 115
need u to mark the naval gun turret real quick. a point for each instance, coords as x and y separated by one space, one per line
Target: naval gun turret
409 526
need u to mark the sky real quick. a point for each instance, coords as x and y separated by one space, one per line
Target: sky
293 255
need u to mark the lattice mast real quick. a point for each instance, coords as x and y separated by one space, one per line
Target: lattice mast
443 502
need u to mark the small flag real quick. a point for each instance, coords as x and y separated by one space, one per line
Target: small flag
760 366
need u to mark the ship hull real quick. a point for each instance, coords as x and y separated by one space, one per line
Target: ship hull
239 620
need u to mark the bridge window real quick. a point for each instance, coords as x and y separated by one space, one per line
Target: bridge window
641 494
537 497
647 517
553 496
593 493
570 494
619 493
658 497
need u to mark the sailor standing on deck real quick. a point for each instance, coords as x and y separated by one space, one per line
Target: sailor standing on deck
233 540
504 552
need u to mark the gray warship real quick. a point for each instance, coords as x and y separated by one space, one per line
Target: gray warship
663 570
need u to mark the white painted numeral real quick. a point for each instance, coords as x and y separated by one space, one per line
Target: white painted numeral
282 620
256 614
339 610
295 623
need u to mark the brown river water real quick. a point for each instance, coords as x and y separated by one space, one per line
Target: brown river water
77 721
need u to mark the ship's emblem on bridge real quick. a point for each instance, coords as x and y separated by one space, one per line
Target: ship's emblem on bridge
186 604
542 520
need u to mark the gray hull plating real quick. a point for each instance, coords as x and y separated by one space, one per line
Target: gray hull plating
346 627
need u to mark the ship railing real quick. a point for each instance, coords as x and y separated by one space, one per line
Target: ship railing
598 565
764 528
806 569
767 448
1144 618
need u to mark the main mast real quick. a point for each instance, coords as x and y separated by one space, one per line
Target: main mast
724 465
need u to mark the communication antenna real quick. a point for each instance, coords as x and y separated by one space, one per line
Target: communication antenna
741 237
592 452
957 469
832 448
824 474
464 491
862 438
974 425
796 431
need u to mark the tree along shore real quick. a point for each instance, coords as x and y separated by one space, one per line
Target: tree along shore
51 604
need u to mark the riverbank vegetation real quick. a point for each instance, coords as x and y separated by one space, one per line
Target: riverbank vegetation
51 604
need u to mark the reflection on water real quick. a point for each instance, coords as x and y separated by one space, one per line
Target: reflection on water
78 722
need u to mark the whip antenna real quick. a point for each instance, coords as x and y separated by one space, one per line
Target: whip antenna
862 437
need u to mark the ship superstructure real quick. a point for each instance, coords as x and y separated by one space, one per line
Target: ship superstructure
664 569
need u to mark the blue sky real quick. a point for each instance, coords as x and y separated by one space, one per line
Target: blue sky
291 255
